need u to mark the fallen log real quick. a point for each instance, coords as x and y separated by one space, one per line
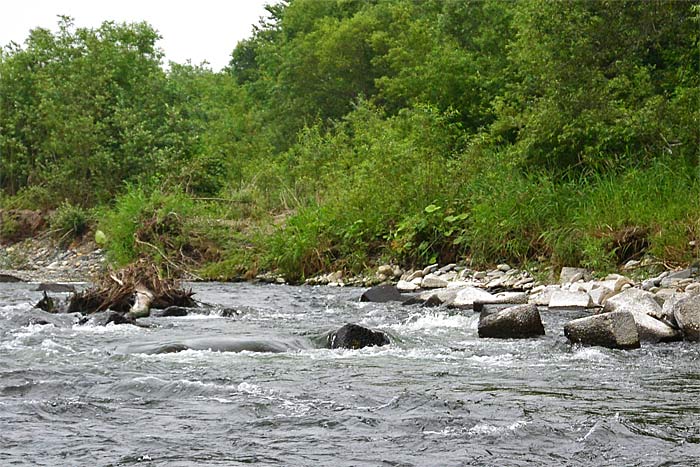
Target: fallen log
134 289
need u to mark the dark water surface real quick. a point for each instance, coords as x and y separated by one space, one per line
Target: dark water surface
438 396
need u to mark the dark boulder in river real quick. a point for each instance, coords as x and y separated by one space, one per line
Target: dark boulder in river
55 287
103 318
615 330
7 278
516 322
382 294
353 336
171 311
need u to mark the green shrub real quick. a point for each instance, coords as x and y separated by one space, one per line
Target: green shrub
68 222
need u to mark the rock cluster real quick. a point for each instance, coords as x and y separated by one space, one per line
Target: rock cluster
623 313
44 261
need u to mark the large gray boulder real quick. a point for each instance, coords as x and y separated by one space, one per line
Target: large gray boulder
653 330
634 300
687 314
615 330
647 313
516 322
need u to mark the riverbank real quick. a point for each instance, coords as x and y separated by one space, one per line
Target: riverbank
44 260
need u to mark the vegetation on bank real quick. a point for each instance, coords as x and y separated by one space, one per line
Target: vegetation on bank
347 132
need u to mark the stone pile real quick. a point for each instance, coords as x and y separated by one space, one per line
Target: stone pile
43 261
665 308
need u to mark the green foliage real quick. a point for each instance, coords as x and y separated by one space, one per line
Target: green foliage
345 131
69 221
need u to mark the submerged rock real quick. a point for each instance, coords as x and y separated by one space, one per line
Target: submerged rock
103 318
171 311
8 278
517 322
353 336
615 330
55 288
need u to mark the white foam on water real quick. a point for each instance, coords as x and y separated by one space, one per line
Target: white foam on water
501 360
31 330
53 347
436 321
8 310
290 406
488 429
478 429
590 354
111 328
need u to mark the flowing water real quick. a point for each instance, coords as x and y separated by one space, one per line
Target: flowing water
437 396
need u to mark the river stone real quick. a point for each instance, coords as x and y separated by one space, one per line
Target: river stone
669 306
516 322
103 318
466 297
503 298
616 282
542 294
653 330
433 282
353 336
406 286
616 330
687 314
568 275
634 300
8 278
382 294
570 299
444 296
171 311
56 288
600 294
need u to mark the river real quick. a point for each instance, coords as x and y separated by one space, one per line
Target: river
437 396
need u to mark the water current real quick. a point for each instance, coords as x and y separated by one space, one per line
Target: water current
437 396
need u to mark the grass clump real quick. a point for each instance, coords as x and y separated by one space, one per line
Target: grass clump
69 222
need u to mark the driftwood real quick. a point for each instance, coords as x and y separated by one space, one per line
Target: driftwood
120 290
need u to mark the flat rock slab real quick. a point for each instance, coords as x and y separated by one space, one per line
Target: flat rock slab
615 330
406 286
466 297
569 299
516 322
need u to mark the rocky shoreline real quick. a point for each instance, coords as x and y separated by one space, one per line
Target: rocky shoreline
44 260
622 310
